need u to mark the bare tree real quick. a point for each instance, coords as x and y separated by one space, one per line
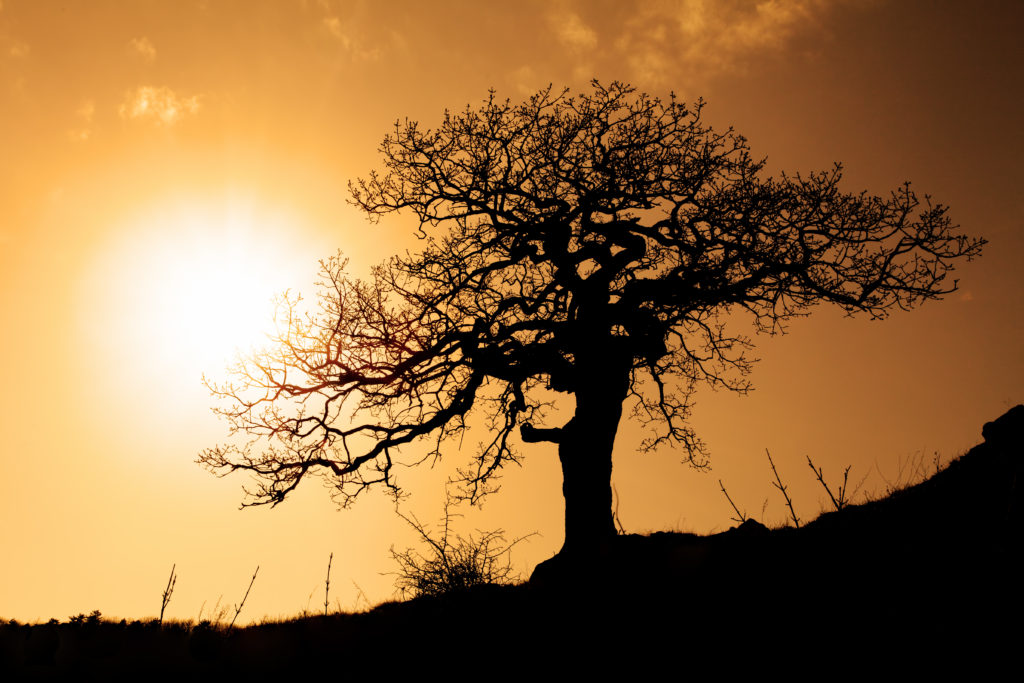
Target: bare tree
588 245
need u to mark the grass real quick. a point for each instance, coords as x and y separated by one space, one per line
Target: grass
910 471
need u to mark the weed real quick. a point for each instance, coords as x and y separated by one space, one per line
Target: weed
843 499
360 597
166 597
453 563
911 470
218 615
740 516
327 584
778 484
238 608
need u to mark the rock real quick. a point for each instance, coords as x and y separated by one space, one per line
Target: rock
750 527
1008 427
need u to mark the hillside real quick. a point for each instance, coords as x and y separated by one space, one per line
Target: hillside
927 575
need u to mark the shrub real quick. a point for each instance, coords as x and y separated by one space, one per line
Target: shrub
453 563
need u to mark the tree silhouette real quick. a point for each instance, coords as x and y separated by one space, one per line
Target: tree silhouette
587 245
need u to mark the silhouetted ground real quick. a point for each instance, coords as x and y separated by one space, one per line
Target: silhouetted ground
928 578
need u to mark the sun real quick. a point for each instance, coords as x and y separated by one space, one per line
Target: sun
185 286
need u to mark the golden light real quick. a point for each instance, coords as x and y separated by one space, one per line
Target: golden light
186 285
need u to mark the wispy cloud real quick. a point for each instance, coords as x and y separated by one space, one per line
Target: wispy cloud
333 26
711 36
572 31
19 49
525 80
144 48
84 114
577 38
337 30
159 104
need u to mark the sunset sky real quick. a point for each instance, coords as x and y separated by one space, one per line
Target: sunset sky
167 167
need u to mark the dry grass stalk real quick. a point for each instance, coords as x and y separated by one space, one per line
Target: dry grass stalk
238 609
327 584
740 516
165 599
778 484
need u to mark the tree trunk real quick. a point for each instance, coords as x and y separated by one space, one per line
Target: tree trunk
585 452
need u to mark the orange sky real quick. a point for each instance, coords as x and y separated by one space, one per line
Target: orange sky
165 167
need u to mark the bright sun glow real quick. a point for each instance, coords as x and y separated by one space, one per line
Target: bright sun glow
188 285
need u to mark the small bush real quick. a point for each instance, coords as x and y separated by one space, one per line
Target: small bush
91 619
453 563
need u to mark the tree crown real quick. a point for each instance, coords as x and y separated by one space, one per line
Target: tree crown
608 234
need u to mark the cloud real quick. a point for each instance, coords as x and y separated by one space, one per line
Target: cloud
711 36
19 49
577 38
159 104
526 80
572 32
333 26
355 49
144 48
84 113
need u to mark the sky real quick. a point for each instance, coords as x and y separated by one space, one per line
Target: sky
167 168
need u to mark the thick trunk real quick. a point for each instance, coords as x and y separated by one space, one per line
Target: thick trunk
585 451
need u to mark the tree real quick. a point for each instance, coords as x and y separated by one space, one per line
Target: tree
590 245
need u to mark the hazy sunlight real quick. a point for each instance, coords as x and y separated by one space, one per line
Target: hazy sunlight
185 285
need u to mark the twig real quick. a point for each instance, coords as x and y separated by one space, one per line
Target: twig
166 597
238 609
778 484
740 517
217 615
327 583
819 472
910 470
360 594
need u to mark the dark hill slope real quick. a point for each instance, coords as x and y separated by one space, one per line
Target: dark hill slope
966 521
926 578
932 571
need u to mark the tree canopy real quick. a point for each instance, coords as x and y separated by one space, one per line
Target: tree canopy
591 245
